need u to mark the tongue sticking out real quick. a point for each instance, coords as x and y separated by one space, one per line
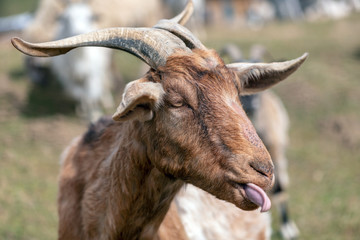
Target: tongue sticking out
255 194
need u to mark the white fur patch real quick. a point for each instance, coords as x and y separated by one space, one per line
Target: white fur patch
206 217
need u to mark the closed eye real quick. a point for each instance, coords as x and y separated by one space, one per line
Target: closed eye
177 100
181 104
178 103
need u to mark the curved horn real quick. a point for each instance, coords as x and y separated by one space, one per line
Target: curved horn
153 46
185 15
175 26
255 77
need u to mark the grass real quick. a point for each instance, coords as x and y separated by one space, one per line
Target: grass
32 138
322 99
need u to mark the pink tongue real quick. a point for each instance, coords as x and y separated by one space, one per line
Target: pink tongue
257 196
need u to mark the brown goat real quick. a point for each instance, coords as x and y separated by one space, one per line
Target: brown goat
181 123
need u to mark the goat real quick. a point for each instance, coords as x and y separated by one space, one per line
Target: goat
85 73
180 123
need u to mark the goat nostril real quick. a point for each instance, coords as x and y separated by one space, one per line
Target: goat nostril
266 170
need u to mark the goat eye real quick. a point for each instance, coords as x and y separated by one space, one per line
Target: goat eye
178 103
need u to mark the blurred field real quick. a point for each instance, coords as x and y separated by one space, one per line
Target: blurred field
322 99
8 7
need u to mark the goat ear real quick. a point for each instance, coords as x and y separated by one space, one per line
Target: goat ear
256 77
140 99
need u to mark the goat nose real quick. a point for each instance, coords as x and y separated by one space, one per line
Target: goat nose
265 169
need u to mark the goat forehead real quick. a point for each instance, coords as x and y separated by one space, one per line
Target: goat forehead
211 79
191 65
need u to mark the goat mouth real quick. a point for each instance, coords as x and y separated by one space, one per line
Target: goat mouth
256 195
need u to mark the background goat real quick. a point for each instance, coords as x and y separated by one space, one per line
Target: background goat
85 73
182 122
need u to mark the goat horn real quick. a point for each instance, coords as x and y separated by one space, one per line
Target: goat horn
185 15
175 26
151 45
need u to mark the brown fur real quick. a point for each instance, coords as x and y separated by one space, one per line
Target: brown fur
118 180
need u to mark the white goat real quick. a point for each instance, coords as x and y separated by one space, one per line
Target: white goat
85 73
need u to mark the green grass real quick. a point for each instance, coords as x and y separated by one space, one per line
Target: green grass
27 184
32 138
322 99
